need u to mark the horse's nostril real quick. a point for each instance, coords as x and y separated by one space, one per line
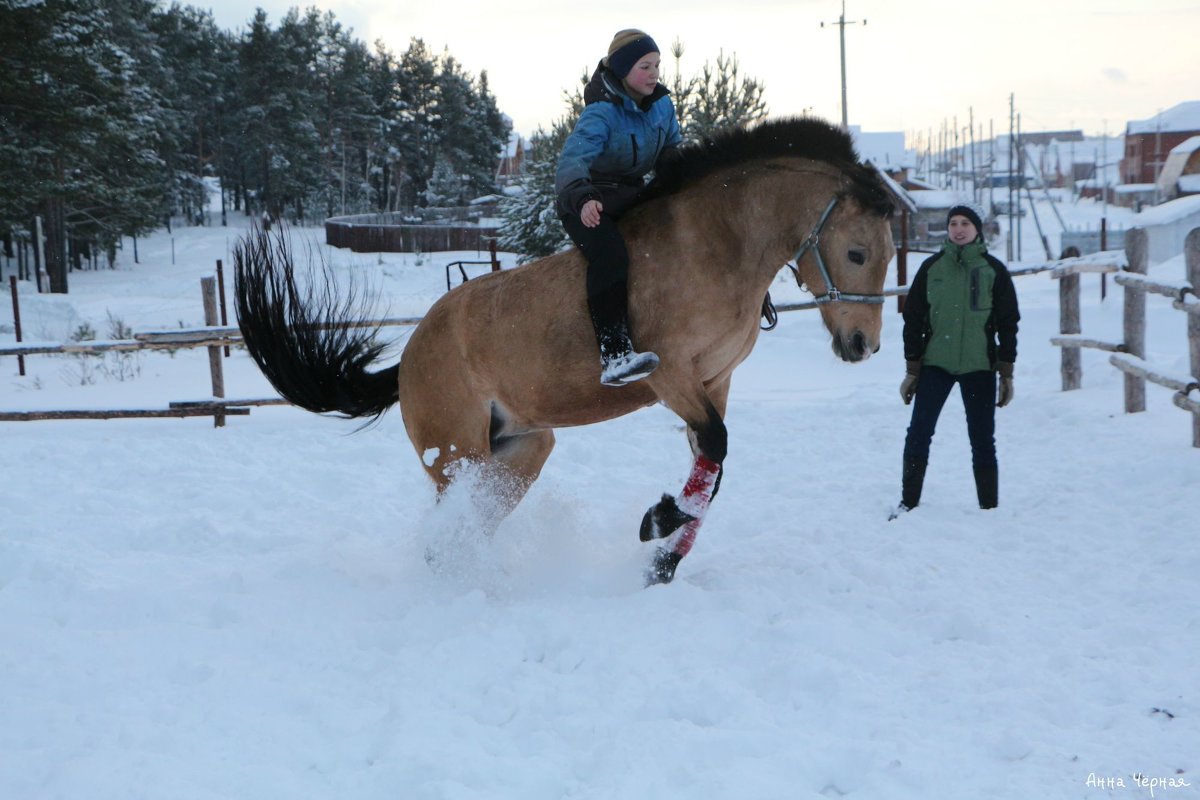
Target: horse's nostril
860 343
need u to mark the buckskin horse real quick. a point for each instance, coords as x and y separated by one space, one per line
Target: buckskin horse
501 361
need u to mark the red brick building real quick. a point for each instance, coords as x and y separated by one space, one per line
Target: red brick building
1149 141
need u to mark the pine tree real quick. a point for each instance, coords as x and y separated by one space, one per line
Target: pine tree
379 160
415 137
197 57
491 134
719 97
358 127
82 125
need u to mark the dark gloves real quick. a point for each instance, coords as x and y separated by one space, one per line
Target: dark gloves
1004 394
908 386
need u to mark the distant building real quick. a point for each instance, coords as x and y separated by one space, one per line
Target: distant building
511 166
1134 195
1181 173
1149 141
886 150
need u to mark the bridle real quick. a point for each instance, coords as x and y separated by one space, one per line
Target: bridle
832 294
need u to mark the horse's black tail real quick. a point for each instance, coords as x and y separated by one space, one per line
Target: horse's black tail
313 347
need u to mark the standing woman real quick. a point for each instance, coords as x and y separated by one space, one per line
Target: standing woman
627 126
960 326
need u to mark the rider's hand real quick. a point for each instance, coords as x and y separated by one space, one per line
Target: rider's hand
589 215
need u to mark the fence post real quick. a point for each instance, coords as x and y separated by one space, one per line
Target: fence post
208 288
12 282
221 298
1137 249
1103 246
1068 323
1191 249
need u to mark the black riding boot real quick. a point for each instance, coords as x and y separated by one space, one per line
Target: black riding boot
911 481
987 486
620 363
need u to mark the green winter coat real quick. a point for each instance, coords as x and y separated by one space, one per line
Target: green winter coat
960 303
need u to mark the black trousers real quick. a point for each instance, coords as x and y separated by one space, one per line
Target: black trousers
607 280
979 401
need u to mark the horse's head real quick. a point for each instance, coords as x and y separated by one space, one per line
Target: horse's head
844 262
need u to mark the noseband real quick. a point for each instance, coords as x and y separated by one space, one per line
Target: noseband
813 242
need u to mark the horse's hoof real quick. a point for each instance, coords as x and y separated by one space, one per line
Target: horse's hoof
663 519
663 568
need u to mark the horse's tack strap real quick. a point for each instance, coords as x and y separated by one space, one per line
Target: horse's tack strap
813 242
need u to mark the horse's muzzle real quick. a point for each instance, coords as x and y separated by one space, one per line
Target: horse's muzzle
854 347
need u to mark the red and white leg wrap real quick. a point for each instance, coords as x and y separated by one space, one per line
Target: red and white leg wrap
694 500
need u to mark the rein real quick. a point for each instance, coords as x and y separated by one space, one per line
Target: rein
832 294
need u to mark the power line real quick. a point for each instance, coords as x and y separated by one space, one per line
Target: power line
842 23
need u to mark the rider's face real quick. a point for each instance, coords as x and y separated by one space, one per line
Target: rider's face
642 79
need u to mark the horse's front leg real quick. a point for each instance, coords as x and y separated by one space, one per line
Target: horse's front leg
678 518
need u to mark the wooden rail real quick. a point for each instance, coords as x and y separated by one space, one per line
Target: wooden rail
215 337
1129 355
118 413
165 340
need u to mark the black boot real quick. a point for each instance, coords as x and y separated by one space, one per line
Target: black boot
620 363
911 481
987 486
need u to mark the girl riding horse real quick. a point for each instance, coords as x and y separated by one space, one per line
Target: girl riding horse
627 127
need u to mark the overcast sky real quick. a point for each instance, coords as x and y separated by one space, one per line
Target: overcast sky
913 66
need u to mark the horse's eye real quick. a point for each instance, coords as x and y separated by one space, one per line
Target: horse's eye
857 256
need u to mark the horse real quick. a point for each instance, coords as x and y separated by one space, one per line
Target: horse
501 361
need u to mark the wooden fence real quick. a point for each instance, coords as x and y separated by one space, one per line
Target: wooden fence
219 337
386 233
1129 355
216 337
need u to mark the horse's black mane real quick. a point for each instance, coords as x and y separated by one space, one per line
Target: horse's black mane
803 137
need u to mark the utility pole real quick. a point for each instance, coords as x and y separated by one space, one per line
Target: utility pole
1021 178
991 170
974 173
1011 171
842 23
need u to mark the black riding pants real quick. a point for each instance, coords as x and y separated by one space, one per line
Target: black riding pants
607 279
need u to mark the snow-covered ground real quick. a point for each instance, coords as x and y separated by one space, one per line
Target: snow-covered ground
189 612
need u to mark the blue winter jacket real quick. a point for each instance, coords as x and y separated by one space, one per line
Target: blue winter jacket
613 146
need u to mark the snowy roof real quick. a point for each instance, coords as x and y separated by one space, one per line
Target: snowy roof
1168 212
1177 161
1183 117
1134 188
896 189
938 198
1188 146
885 149
919 183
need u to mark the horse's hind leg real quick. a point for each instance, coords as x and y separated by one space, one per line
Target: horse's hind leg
680 517
505 469
515 463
